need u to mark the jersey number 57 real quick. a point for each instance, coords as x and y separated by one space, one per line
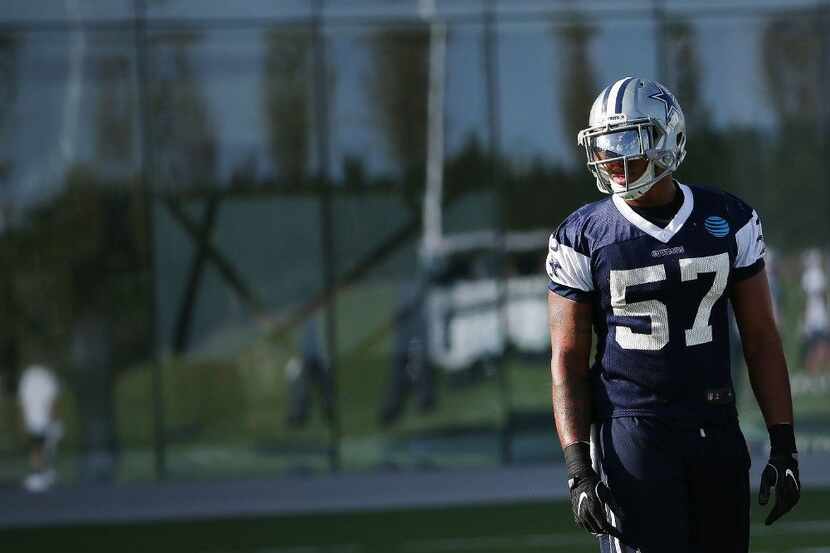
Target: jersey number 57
655 310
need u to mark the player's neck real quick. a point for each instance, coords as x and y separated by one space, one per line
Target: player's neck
662 193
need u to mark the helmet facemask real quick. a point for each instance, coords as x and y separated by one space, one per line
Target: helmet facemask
619 145
633 119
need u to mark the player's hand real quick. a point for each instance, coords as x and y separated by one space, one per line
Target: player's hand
590 500
781 473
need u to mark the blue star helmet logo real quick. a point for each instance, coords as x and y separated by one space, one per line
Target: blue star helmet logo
668 101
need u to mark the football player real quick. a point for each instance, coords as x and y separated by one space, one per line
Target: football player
656 459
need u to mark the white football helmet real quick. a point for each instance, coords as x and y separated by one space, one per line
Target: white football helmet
634 118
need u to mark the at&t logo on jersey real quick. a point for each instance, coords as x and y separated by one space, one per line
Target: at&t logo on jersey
716 226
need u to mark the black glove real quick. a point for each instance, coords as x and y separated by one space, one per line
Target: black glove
590 497
781 472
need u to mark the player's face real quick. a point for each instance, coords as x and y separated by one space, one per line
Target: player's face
617 146
616 170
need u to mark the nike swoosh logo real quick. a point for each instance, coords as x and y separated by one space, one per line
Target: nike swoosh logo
583 496
789 473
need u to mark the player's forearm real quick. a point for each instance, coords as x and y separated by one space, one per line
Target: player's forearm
570 339
752 304
769 377
571 393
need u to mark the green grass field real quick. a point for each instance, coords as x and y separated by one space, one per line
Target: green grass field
514 528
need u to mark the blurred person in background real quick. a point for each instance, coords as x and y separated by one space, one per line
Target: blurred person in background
310 367
410 369
38 393
815 345
656 460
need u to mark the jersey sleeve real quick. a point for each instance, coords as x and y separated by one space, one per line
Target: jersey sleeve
750 243
568 266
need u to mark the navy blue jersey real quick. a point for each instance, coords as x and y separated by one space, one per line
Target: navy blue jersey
659 299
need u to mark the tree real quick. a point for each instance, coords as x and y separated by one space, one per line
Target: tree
114 109
791 50
287 96
683 73
708 158
9 46
398 89
180 126
9 312
578 83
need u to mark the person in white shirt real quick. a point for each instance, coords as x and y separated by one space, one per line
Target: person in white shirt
815 326
38 393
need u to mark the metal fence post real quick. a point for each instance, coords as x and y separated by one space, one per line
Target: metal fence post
496 183
146 160
326 219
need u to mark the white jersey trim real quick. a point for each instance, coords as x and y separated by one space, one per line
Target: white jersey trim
568 267
661 234
750 239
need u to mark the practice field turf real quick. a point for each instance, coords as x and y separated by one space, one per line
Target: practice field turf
514 528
